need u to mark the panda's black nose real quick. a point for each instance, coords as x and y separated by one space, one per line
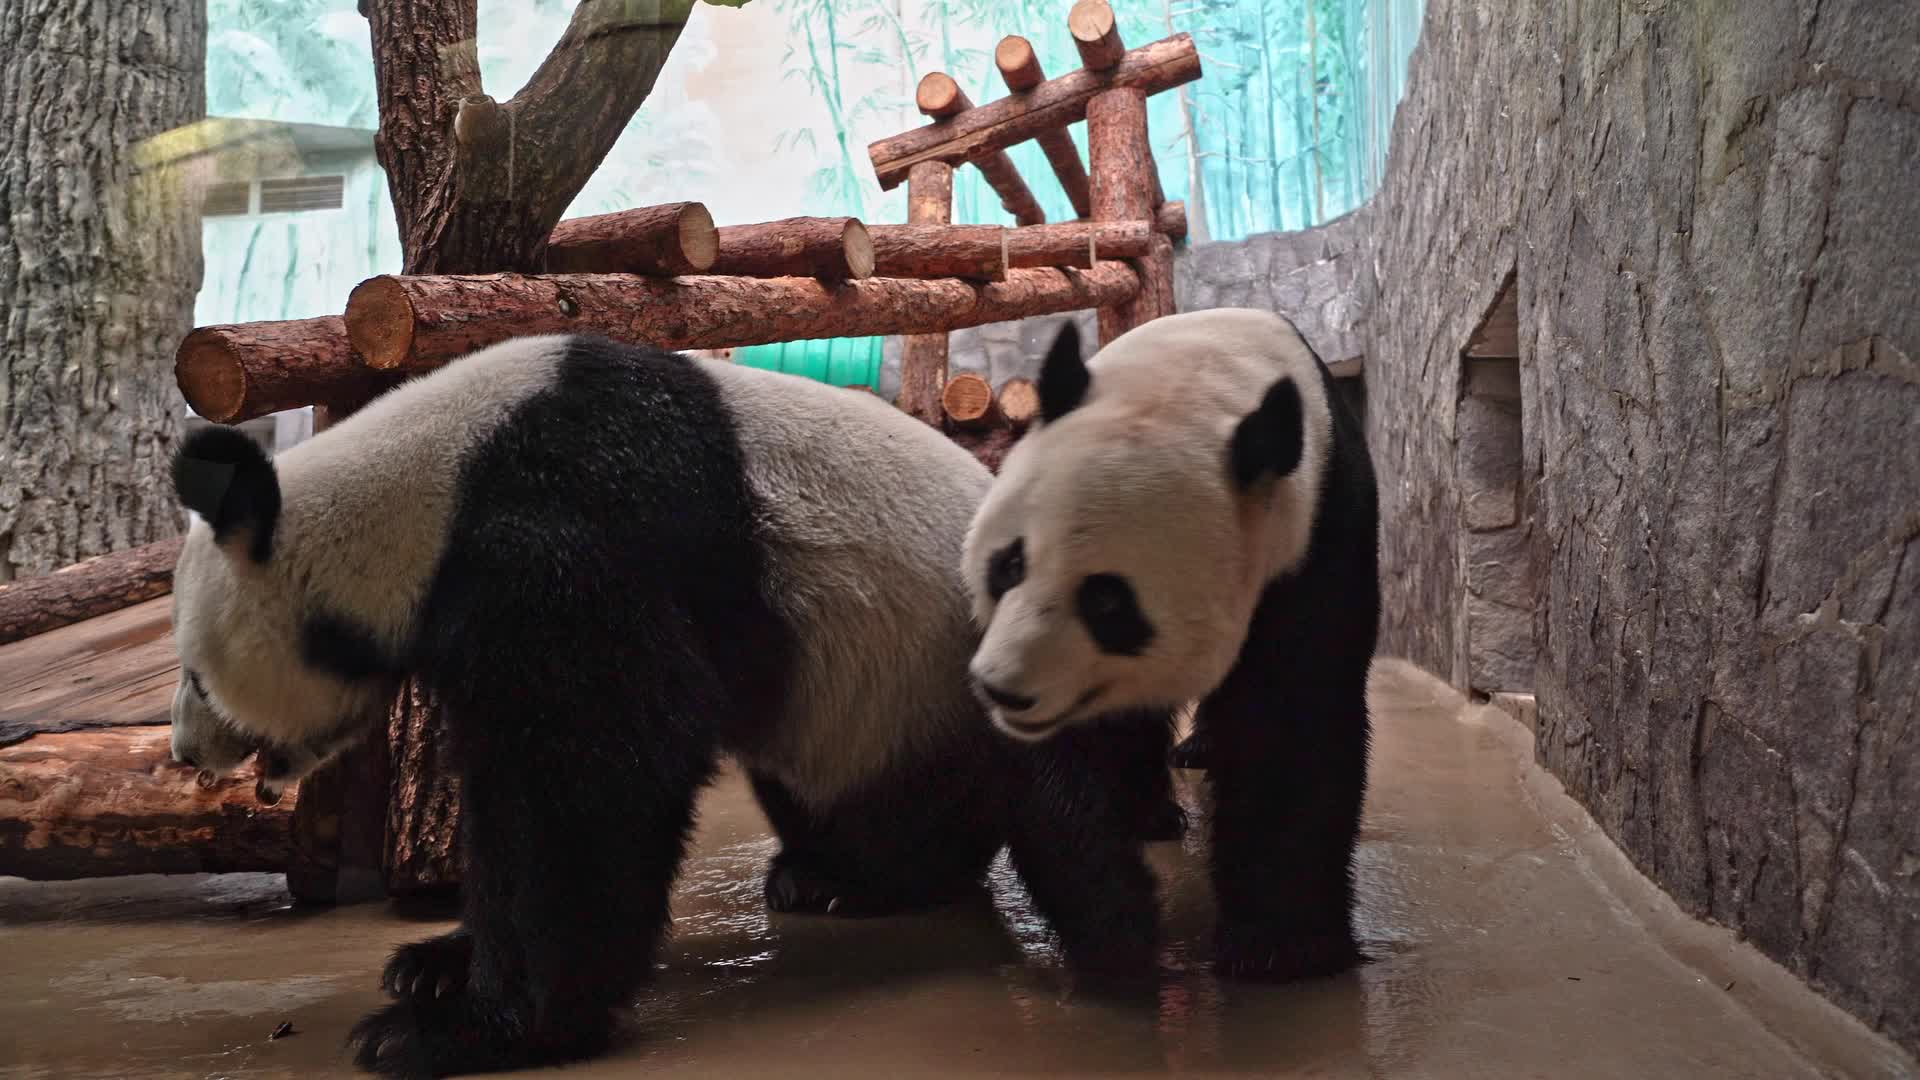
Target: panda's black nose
1006 699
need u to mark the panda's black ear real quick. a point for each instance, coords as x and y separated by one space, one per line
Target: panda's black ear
227 479
1269 440
1063 377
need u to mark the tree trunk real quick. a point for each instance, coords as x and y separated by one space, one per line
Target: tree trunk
98 270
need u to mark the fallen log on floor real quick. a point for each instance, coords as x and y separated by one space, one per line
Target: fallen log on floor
111 801
421 322
97 586
1019 402
968 402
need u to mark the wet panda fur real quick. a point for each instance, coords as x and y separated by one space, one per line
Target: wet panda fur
610 565
1195 519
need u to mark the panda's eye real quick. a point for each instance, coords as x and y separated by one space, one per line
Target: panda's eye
193 680
1006 569
1112 615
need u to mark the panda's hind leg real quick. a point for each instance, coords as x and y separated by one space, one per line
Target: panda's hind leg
567 871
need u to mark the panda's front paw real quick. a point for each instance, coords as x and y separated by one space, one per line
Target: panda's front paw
1257 951
460 1034
393 1042
432 968
1191 753
792 886
1166 821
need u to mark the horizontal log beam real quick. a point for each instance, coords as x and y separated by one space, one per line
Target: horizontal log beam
829 248
419 323
97 586
940 97
111 801
988 252
1050 106
240 371
669 239
1020 70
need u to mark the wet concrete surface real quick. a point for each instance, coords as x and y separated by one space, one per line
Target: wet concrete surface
1510 940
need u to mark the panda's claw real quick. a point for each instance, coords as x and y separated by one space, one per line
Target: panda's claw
433 968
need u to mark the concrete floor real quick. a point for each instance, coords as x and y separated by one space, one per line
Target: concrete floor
1511 940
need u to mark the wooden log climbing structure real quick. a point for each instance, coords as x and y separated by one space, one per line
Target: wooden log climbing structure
664 275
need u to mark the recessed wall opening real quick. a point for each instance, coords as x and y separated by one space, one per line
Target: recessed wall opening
1494 652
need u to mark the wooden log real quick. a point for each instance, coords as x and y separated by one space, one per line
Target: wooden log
97 586
111 801
422 840
828 248
420 323
940 97
1096 34
923 357
1117 144
1050 106
1170 219
967 401
234 373
1019 402
987 252
1020 70
988 445
669 239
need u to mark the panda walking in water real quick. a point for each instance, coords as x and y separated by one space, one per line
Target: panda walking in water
1143 549
610 564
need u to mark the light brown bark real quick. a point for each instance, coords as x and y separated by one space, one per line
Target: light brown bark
828 248
419 323
1020 69
673 238
235 373
940 97
923 357
1117 146
111 801
1095 34
100 585
1050 106
987 252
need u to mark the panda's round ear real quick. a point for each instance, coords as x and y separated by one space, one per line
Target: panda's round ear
1270 440
1063 376
226 478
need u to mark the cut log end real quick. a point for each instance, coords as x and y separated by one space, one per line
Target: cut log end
1019 402
211 376
380 322
939 96
1095 34
967 400
859 247
1170 219
699 240
1018 65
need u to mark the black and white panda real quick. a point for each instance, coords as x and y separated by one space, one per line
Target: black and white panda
1195 519
611 564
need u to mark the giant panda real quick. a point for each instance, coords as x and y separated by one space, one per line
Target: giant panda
1194 518
610 564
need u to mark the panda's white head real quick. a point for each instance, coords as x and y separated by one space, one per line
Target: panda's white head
1117 559
263 667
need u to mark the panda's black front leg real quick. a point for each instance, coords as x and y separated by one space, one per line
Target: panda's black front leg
1288 776
1092 800
566 889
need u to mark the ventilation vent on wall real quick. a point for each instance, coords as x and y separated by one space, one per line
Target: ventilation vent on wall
228 198
302 193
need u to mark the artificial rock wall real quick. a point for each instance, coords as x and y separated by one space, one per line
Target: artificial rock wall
1711 214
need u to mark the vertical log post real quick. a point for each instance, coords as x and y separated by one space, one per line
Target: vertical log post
1122 191
1020 70
923 357
340 819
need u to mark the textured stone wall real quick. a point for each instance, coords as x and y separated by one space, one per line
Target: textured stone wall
1712 210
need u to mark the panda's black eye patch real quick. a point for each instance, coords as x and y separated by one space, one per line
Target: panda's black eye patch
1107 606
1006 569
